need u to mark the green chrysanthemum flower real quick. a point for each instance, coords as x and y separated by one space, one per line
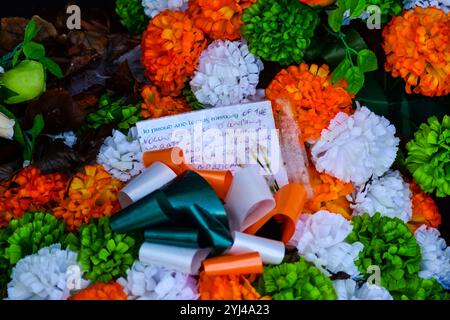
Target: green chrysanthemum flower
422 289
389 245
25 236
429 156
279 30
113 110
296 281
132 15
105 255
191 99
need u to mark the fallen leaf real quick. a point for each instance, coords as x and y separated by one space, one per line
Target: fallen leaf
123 81
88 99
55 156
88 145
58 109
12 31
8 170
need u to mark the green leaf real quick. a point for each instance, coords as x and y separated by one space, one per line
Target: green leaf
367 60
6 93
358 9
33 50
6 112
355 79
16 57
31 31
335 18
38 125
340 71
52 66
18 133
337 51
34 132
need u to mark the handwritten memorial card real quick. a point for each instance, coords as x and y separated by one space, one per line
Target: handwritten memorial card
224 138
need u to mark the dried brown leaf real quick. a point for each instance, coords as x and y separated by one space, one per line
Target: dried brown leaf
59 110
55 156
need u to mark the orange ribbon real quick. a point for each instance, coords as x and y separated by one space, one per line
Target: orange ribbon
290 200
247 263
220 181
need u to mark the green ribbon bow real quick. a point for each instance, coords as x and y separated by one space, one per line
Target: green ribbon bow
185 212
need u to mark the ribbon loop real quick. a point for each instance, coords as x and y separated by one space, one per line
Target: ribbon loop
247 263
290 200
220 181
188 201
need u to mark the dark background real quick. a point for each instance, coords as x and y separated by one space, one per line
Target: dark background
28 8
406 118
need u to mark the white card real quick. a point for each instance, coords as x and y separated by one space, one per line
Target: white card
223 138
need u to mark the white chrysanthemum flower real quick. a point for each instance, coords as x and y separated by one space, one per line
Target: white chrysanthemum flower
121 155
6 127
348 290
435 255
356 147
149 282
389 195
320 239
2 70
45 275
154 7
444 5
69 138
227 74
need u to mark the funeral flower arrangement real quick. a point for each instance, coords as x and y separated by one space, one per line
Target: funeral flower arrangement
88 212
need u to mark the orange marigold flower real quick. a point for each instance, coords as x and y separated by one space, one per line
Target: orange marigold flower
101 291
171 46
155 106
314 99
30 190
322 3
417 46
425 211
229 287
329 194
92 194
220 19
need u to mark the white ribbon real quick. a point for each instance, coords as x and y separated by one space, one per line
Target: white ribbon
271 251
187 260
248 200
153 178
